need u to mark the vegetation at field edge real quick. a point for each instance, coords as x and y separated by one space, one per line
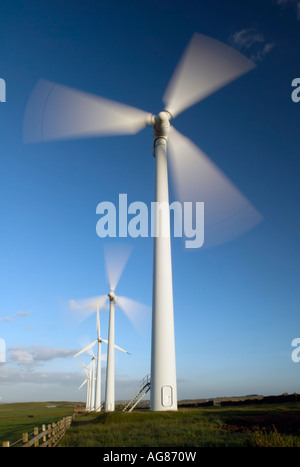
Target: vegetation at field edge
198 427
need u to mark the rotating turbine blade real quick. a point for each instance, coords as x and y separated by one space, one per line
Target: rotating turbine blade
83 366
206 66
85 349
86 306
122 350
98 324
84 382
227 213
58 112
116 257
136 312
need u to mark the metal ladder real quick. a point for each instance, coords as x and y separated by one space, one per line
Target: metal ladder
145 387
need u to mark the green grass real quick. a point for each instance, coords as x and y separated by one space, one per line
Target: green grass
19 418
198 427
269 425
146 429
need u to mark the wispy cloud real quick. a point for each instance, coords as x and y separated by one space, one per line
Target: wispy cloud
19 313
252 43
294 3
12 375
23 313
7 319
36 354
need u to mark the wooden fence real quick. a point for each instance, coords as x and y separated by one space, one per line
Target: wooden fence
46 437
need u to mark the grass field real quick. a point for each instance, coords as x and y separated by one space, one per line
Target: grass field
277 425
19 418
267 425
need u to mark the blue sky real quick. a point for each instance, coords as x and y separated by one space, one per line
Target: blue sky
237 305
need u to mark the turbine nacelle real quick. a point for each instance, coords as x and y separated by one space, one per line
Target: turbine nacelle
162 124
112 296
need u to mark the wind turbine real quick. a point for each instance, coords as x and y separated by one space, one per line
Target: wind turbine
116 257
88 381
58 112
99 340
92 383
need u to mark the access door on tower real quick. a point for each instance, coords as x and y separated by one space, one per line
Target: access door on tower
167 396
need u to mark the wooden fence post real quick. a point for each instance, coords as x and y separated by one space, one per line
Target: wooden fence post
35 433
25 438
50 437
49 434
44 429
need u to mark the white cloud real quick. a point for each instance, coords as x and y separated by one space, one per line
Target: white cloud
30 354
21 356
252 43
246 38
11 376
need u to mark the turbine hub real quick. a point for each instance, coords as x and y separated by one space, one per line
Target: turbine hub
111 296
162 120
162 124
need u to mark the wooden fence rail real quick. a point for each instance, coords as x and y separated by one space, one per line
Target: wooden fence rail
47 437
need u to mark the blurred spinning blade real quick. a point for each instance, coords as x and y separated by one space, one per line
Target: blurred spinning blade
227 213
87 306
84 382
136 312
83 366
59 112
116 257
206 66
86 349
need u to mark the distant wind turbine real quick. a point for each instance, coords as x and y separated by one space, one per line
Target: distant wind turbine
89 383
99 340
116 259
86 381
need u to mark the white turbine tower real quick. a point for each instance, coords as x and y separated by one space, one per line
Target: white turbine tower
59 112
92 383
